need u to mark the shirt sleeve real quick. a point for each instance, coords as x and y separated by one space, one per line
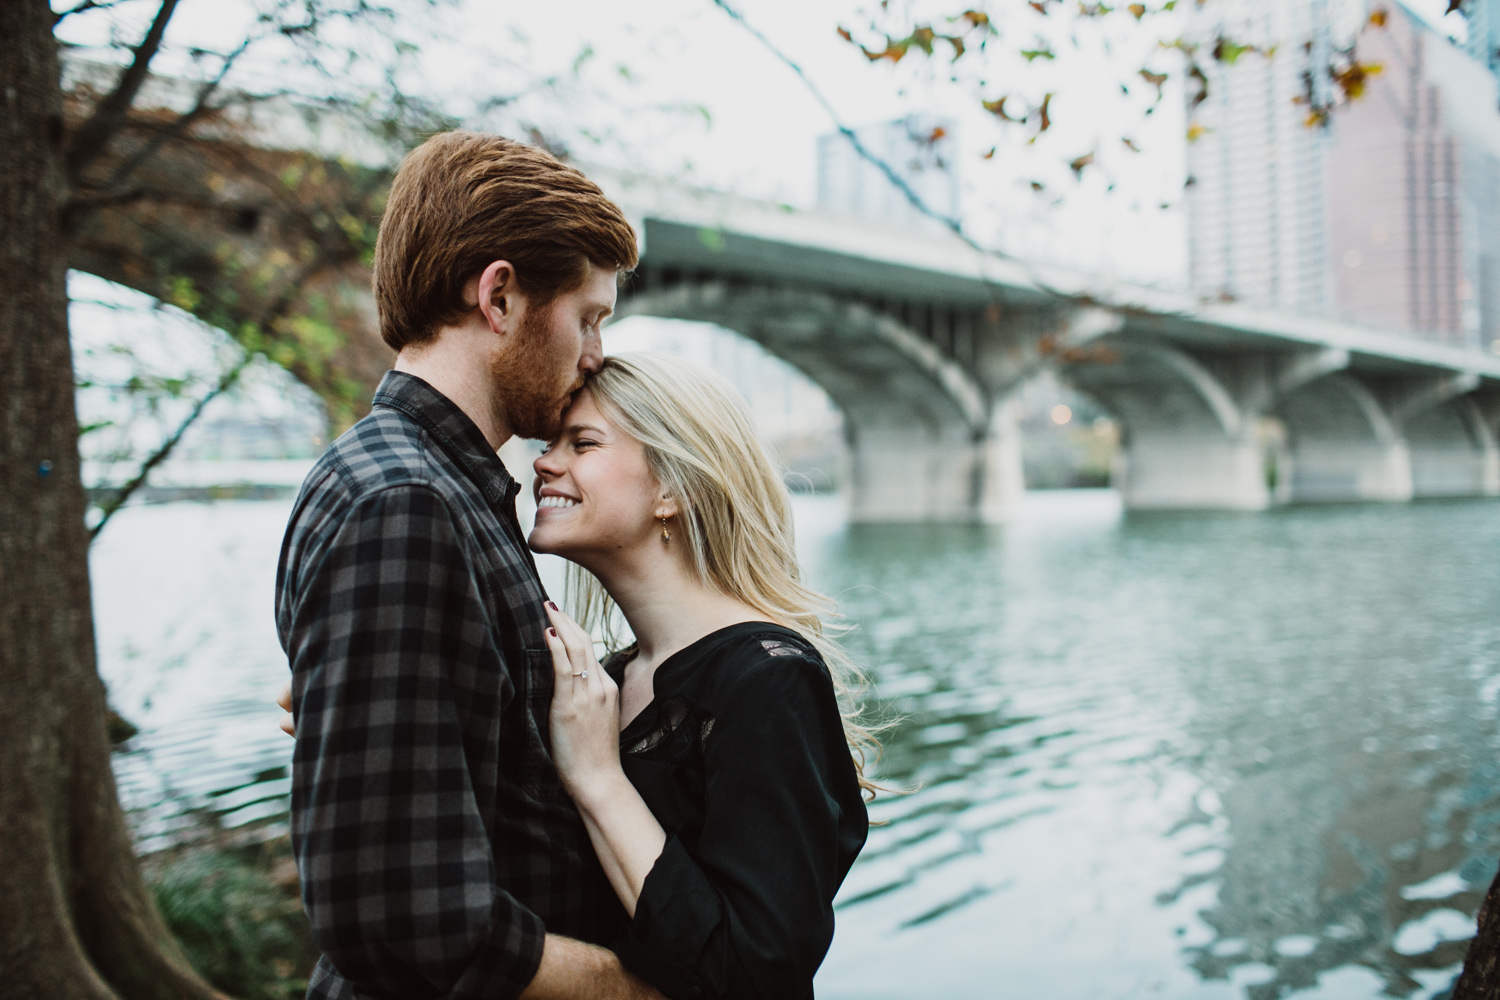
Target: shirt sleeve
398 877
750 912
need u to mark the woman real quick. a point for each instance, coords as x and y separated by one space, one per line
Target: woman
718 781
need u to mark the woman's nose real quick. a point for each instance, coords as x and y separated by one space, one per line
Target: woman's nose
546 465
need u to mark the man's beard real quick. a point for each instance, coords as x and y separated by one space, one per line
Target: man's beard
533 388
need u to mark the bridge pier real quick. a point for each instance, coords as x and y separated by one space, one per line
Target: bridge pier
1339 471
913 473
1163 471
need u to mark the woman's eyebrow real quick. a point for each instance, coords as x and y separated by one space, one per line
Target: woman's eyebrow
576 429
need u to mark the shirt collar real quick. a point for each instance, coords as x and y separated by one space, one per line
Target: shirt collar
452 428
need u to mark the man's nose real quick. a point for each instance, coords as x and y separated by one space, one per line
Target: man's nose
592 358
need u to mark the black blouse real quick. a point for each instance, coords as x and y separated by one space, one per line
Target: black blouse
741 757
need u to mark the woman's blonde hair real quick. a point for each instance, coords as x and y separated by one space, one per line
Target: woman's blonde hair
735 514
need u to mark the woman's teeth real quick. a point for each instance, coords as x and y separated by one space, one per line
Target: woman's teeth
557 502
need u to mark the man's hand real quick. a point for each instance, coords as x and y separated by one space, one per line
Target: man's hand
572 970
284 699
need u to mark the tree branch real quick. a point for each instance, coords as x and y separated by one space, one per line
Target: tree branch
90 141
891 174
86 5
848 133
114 503
200 108
226 381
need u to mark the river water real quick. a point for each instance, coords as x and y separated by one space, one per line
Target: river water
1192 756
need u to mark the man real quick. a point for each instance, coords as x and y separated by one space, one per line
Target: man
439 854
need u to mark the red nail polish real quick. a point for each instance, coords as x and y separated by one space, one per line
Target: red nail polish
552 632
552 606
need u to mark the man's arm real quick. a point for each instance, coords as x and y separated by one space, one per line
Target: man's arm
573 970
397 866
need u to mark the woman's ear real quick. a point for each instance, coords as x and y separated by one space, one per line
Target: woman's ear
666 506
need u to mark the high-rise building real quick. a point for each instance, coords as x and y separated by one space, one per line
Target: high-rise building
1389 214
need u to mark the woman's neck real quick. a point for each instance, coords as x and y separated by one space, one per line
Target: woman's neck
669 608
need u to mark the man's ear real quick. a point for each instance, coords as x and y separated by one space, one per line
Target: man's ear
498 297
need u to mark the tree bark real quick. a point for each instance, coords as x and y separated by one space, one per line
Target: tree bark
1480 979
76 919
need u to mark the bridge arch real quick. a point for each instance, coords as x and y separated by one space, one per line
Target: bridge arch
1185 439
925 438
874 367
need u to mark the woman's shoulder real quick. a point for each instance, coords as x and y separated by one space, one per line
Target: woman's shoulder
763 658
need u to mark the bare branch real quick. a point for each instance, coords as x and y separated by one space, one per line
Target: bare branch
114 503
177 128
77 206
90 141
847 132
86 5
275 311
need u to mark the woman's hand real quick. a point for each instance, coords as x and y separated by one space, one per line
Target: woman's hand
585 713
284 699
586 749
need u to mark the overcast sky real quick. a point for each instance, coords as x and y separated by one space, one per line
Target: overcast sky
678 86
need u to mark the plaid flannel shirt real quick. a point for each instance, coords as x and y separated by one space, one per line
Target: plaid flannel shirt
434 840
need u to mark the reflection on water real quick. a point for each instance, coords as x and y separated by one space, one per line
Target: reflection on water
1186 756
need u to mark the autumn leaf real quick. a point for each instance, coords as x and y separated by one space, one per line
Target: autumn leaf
1040 6
1046 119
1093 9
1155 79
1130 145
1379 16
1196 132
1353 78
1077 165
1042 51
997 108
958 45
1138 9
844 34
1196 72
936 134
990 155
894 51
976 18
1228 51
1038 186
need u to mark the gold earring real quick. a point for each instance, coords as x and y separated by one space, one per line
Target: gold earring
666 536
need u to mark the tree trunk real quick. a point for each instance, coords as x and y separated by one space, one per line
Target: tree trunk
1480 979
76 919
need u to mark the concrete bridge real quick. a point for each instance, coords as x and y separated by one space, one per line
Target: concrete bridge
921 341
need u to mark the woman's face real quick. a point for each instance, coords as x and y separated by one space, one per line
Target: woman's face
596 497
